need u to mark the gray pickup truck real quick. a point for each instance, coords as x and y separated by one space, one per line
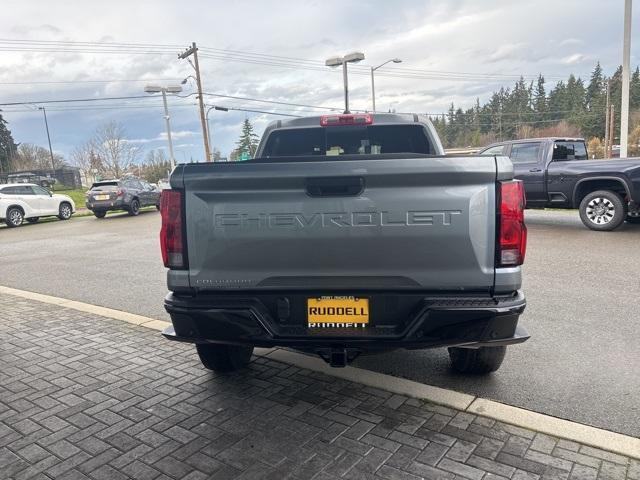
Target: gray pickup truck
347 234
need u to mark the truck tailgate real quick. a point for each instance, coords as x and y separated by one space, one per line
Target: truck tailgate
424 223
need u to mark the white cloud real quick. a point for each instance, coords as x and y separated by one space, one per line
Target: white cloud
573 59
492 36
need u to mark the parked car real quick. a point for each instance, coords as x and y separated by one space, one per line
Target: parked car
129 194
557 173
347 234
20 201
42 180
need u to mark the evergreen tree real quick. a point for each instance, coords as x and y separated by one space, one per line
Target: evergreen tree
634 93
540 100
248 141
512 113
596 86
7 146
593 120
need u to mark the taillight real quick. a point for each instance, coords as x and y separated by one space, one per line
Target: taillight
337 120
172 242
120 192
512 232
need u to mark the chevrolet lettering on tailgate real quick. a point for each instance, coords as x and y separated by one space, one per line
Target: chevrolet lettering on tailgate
337 219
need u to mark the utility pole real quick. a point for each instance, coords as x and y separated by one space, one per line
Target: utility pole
624 111
606 121
187 53
46 125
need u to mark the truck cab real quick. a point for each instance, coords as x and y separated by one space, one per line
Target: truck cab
536 161
557 173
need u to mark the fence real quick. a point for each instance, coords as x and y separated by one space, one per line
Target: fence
68 177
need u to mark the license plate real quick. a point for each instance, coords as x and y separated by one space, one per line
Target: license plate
101 197
337 312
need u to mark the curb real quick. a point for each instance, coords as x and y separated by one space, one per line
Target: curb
557 427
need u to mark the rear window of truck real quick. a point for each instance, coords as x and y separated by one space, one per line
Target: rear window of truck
565 150
348 140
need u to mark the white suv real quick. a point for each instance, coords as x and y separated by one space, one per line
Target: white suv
20 201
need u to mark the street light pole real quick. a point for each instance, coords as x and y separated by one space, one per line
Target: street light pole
373 86
164 90
209 135
337 61
345 78
624 112
213 107
46 125
166 117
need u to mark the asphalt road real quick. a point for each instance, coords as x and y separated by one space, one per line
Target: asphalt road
582 362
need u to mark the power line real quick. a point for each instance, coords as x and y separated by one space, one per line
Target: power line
281 61
274 102
115 80
96 99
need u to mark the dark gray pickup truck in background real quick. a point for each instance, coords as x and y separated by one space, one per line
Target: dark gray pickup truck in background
348 234
557 173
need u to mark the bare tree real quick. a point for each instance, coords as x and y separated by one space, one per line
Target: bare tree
87 160
34 157
116 154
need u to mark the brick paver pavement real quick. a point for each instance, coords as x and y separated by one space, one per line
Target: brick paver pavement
82 396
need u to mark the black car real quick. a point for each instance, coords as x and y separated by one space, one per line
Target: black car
557 173
128 194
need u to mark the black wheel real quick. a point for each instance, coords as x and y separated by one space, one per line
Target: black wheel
158 206
134 209
65 212
223 358
477 360
15 217
602 210
633 220
33 219
100 213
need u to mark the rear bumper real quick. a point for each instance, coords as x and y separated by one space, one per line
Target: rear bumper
103 206
418 322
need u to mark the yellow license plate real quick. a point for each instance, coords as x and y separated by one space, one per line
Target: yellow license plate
101 197
337 312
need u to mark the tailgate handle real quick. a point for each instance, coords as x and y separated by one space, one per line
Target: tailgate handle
335 186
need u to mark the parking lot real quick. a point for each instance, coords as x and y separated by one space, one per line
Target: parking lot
581 286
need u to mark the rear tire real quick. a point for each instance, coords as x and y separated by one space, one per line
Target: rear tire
15 217
477 360
602 210
65 211
134 209
33 219
100 213
223 358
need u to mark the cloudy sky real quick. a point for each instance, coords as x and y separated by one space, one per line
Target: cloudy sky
451 51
